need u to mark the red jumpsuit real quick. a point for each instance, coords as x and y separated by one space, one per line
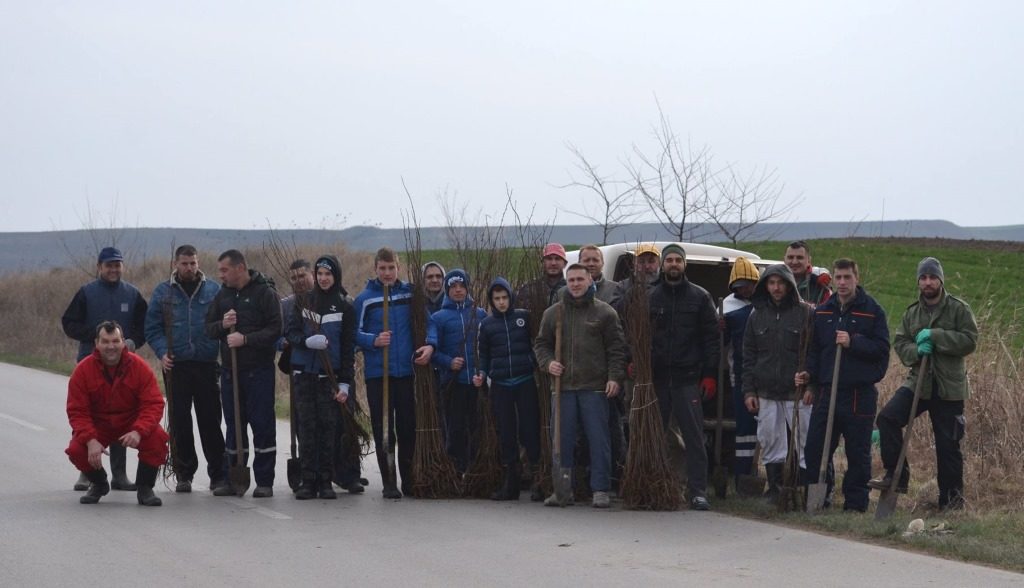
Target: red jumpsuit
105 403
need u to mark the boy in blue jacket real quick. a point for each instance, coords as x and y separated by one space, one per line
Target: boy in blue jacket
452 332
506 357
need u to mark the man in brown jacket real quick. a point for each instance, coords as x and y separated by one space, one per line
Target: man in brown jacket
593 353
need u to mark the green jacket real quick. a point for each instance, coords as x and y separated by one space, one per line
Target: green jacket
954 336
593 346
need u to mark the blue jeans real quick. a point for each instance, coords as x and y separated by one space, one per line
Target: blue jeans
256 393
591 408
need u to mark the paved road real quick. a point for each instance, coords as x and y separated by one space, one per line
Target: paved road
48 539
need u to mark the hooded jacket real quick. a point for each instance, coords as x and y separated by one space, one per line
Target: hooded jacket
866 360
129 401
330 314
259 319
684 325
453 330
954 336
434 303
369 312
593 346
772 339
188 320
506 348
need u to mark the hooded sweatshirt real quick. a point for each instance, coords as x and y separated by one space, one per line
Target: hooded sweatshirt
506 348
434 302
772 339
453 330
329 313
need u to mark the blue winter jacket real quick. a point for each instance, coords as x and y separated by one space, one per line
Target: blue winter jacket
504 341
866 360
329 314
369 312
188 323
452 332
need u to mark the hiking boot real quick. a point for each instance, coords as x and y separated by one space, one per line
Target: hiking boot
306 491
145 479
327 491
884 482
391 492
601 500
82 483
700 503
223 488
98 487
354 487
263 492
183 487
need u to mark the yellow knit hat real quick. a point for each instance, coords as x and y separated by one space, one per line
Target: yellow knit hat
647 248
743 269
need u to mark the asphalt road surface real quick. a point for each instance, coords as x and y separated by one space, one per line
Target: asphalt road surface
48 539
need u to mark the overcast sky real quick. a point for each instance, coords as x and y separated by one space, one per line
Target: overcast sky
309 114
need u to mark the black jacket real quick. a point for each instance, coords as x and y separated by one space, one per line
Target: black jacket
684 327
772 340
866 360
504 342
259 319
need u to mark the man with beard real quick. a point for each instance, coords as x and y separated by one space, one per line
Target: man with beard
941 326
113 397
321 331
541 293
107 298
190 362
684 361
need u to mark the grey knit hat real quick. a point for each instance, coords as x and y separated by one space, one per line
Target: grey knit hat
931 267
673 248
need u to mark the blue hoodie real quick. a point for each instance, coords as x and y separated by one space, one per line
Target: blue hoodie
452 331
369 312
506 348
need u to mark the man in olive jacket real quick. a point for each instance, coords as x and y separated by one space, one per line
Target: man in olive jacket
943 327
592 366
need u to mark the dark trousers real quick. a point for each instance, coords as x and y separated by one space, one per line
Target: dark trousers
402 423
746 433
316 408
256 396
682 398
617 437
346 470
194 383
854 418
460 406
948 425
517 414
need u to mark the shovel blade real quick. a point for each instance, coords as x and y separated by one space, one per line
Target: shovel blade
886 505
562 483
816 495
294 473
239 476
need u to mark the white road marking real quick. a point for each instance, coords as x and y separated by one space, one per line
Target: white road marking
18 421
263 511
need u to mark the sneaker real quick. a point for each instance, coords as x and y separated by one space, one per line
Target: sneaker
263 492
601 500
183 487
884 482
700 503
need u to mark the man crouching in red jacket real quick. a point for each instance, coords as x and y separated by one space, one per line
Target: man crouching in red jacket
113 397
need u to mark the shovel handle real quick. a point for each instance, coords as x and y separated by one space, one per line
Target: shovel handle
556 389
918 387
831 415
239 443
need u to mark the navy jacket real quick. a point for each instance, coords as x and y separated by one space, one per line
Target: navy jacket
329 314
100 301
504 341
188 320
865 362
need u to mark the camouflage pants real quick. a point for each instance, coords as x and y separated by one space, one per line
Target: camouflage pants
316 407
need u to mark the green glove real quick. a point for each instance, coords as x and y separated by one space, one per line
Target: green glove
924 335
924 348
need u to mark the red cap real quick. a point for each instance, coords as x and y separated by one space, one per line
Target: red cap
555 249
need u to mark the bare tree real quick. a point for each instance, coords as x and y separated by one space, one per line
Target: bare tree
741 202
102 229
616 202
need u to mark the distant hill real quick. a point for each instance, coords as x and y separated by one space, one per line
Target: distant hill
44 250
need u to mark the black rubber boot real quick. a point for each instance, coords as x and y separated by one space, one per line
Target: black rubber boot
327 490
82 483
774 473
536 492
98 487
510 487
145 478
118 477
307 490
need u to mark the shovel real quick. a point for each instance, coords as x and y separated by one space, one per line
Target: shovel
887 500
818 492
294 465
238 474
389 476
719 479
561 477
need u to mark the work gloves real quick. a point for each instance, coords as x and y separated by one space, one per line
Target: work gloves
924 342
824 280
709 386
342 394
316 342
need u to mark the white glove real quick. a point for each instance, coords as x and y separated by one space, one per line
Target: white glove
129 344
316 342
342 392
